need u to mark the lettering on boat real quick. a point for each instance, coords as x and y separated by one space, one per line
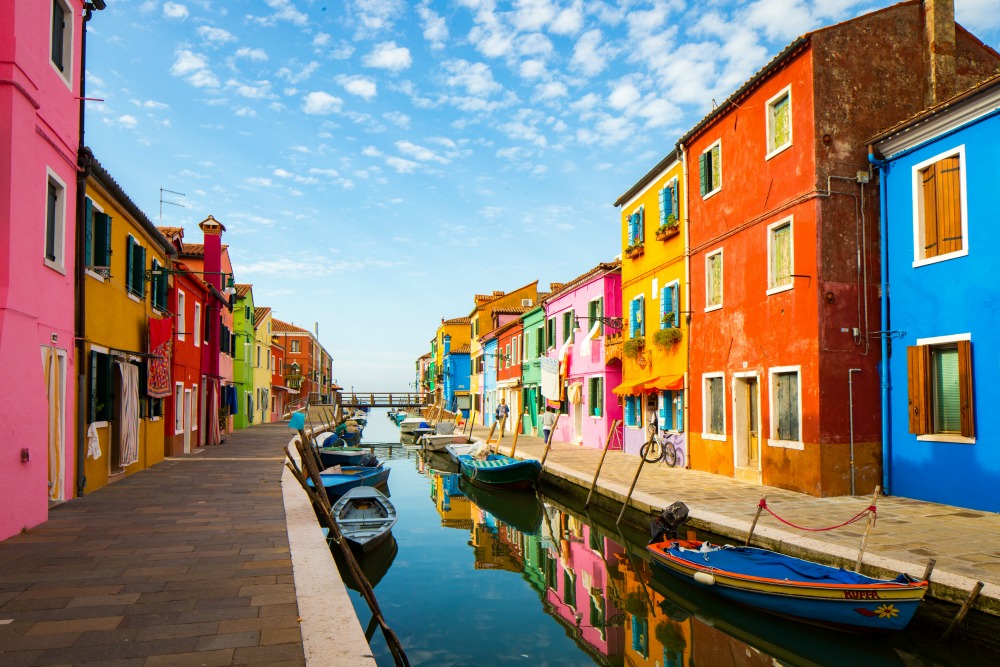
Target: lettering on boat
861 595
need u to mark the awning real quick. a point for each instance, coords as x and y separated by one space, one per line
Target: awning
636 387
665 383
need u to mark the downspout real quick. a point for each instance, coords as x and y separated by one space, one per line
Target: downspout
884 275
687 301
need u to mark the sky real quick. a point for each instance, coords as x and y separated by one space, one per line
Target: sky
376 163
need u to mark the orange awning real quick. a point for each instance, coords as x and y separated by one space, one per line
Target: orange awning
665 383
627 388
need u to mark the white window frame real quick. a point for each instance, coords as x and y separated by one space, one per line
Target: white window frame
706 406
918 206
181 315
771 287
712 193
772 440
59 247
641 320
708 282
69 35
771 152
197 324
178 408
677 316
194 407
946 437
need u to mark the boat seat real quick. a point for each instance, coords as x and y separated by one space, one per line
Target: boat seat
377 519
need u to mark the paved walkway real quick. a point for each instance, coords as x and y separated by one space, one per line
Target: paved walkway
965 543
186 563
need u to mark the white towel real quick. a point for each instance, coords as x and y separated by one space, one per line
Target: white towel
93 443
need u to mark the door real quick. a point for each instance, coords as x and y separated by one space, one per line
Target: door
187 421
578 410
753 456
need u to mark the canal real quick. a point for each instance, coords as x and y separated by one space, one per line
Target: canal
480 578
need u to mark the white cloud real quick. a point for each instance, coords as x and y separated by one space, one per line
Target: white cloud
371 151
216 35
259 55
389 56
589 55
257 90
569 21
781 20
150 104
245 112
332 173
401 165
435 27
534 44
551 90
978 14
419 152
259 182
321 40
358 85
623 95
194 66
126 121
475 78
319 103
398 119
173 10
492 41
533 14
303 73
284 10
533 69
374 16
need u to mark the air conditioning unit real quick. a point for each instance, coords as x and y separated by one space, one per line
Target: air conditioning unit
527 302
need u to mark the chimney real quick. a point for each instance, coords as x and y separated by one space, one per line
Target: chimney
447 344
939 31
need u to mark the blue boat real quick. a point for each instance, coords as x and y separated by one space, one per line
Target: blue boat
346 456
338 483
499 471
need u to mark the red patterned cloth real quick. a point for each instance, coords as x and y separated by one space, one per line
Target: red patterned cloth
161 346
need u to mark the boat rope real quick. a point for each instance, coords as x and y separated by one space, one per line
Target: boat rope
857 517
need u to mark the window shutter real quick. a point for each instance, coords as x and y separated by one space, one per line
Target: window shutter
675 304
92 406
641 314
664 306
965 388
674 207
139 271
949 202
641 224
664 412
716 168
703 172
680 410
89 247
917 366
633 322
663 206
129 263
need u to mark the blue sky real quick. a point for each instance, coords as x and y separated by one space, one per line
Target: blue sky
378 162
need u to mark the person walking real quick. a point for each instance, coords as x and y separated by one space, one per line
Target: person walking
548 421
502 410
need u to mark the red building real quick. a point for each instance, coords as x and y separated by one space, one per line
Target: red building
186 298
280 394
307 363
784 258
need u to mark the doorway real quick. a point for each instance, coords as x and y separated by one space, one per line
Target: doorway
54 369
187 421
746 427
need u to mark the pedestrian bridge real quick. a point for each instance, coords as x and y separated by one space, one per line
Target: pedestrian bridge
384 399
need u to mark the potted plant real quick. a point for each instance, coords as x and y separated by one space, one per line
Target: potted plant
670 227
632 348
668 320
634 250
667 337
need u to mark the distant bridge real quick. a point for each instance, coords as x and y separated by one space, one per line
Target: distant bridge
384 399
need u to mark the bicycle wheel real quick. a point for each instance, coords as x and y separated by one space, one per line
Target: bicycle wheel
670 454
651 451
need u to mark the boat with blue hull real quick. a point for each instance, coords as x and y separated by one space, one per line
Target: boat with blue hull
338 482
346 456
500 471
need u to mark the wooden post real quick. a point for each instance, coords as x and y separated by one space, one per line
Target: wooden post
927 570
630 490
753 526
472 423
490 436
503 421
517 432
868 527
607 443
966 606
552 434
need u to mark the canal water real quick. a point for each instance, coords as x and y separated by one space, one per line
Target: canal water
479 578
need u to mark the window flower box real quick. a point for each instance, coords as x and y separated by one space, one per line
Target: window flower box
634 250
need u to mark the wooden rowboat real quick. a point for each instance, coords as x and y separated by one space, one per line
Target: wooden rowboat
365 517
346 456
500 471
339 481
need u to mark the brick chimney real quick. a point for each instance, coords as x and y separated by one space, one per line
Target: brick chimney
939 31
212 230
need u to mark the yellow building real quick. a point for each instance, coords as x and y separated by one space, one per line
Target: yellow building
124 424
654 303
261 364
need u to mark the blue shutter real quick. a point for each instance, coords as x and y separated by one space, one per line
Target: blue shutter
631 229
674 206
665 409
630 410
90 233
642 313
664 306
641 213
680 410
140 273
703 173
633 322
664 206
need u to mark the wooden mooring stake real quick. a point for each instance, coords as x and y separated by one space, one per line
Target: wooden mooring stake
927 570
635 479
607 443
502 423
548 443
960 616
868 529
753 526
517 432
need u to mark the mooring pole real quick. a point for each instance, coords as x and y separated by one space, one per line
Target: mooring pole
868 528
630 490
607 443
753 526
517 432
503 422
960 616
548 443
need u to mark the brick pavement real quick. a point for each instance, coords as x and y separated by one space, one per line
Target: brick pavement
186 563
908 532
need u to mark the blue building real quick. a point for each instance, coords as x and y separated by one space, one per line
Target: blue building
490 378
456 368
941 301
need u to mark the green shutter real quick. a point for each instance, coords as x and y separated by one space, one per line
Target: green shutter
99 239
89 241
703 172
140 268
716 168
129 260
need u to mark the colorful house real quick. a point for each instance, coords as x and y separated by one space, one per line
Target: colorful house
457 369
184 413
489 377
783 257
510 339
653 345
533 326
280 394
40 89
940 199
128 379
243 360
456 330
262 365
577 314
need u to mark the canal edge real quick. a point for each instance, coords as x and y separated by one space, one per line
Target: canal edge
331 630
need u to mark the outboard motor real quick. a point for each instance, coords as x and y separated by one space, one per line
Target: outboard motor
664 527
368 460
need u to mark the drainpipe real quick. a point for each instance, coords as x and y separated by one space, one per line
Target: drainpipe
850 403
884 271
687 297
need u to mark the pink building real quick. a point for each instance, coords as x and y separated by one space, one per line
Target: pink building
40 83
576 325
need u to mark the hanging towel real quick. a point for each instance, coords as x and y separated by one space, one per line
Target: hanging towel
550 378
161 343
93 443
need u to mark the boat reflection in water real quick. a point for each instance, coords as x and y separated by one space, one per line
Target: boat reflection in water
374 564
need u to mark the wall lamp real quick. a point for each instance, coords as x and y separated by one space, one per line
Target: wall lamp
610 322
163 271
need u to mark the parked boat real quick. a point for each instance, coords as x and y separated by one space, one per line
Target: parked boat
346 456
408 425
500 471
521 511
339 481
459 449
436 442
365 517
397 417
785 585
439 461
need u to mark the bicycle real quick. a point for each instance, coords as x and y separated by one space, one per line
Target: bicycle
659 448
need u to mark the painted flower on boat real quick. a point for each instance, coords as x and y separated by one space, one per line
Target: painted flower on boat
886 611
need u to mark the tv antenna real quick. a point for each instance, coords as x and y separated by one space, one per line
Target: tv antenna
166 201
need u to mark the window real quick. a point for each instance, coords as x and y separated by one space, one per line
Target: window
671 409
631 411
779 122
181 315
158 287
713 280
939 208
786 408
567 323
713 407
270 361
635 227
194 407
101 384
941 393
636 320
540 341
780 259
62 39
55 223
550 333
196 329
258 357
296 346
710 170
595 310
669 306
135 256
98 240
178 407
669 210
595 396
